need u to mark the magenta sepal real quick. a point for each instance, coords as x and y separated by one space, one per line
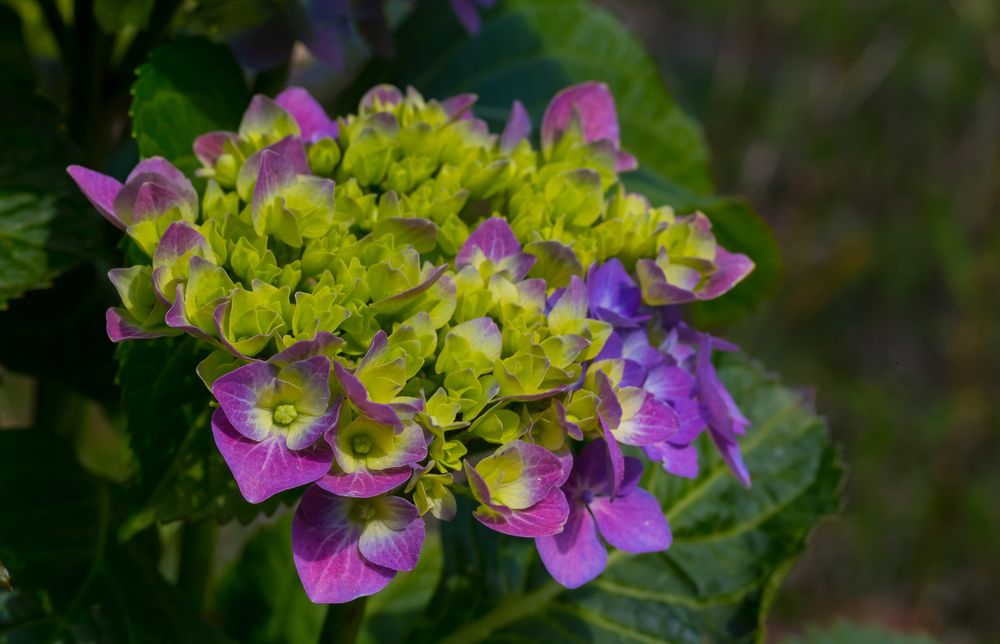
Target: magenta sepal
267 467
348 548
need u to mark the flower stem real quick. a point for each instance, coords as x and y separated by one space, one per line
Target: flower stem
343 622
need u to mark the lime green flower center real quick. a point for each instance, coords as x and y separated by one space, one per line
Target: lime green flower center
361 444
363 511
285 414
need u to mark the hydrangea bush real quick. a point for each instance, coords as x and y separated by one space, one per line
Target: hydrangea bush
398 306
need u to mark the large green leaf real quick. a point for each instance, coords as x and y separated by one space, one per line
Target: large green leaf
179 473
738 228
71 581
731 547
189 86
530 49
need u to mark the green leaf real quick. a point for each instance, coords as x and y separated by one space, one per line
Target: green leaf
189 86
179 473
260 596
46 227
848 633
529 50
738 229
71 580
731 549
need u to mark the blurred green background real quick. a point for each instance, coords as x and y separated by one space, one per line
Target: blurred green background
867 133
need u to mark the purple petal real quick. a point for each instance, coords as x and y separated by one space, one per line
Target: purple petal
262 469
393 539
730 451
151 201
653 422
625 162
545 518
323 344
518 127
576 555
572 302
356 392
572 429
633 523
636 347
669 383
692 421
386 95
592 103
210 146
326 553
329 29
468 14
308 113
364 483
99 189
494 237
119 328
179 238
479 488
460 106
678 460
614 296
238 393
276 172
730 269
540 471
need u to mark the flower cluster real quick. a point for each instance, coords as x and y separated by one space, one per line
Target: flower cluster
401 306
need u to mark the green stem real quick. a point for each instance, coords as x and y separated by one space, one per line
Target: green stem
197 557
343 622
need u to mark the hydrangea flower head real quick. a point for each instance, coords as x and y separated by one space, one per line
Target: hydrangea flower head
398 307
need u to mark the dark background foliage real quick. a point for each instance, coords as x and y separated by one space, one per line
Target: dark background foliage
864 134
868 135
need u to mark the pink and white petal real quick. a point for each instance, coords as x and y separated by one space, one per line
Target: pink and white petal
239 392
545 518
326 553
576 555
633 523
363 483
393 539
262 469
